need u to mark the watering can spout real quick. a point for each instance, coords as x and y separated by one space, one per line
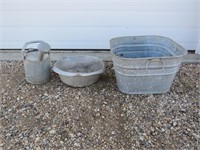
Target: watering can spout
43 48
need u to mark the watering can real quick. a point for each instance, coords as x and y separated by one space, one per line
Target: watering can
37 62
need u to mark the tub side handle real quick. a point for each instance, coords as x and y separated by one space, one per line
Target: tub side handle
161 68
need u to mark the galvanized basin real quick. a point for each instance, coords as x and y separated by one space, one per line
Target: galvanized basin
79 71
145 64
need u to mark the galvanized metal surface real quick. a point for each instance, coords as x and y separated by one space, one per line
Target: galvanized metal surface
37 63
10 55
79 71
145 64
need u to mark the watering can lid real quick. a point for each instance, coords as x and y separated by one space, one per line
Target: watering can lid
44 47
32 56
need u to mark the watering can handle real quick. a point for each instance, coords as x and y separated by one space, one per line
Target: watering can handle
26 44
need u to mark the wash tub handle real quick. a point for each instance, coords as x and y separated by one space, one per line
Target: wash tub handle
155 60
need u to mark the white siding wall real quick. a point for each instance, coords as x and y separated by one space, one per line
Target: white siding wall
82 24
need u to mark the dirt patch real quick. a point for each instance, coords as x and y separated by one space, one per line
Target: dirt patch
56 116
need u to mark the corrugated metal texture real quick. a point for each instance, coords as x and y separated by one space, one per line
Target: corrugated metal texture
91 24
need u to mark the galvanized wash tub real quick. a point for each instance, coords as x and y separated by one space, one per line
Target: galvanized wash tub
145 64
79 71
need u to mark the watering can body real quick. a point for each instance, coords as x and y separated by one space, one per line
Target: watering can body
37 63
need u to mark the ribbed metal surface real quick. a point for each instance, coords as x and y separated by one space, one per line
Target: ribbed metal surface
145 64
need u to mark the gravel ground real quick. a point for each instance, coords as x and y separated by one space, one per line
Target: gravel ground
56 116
